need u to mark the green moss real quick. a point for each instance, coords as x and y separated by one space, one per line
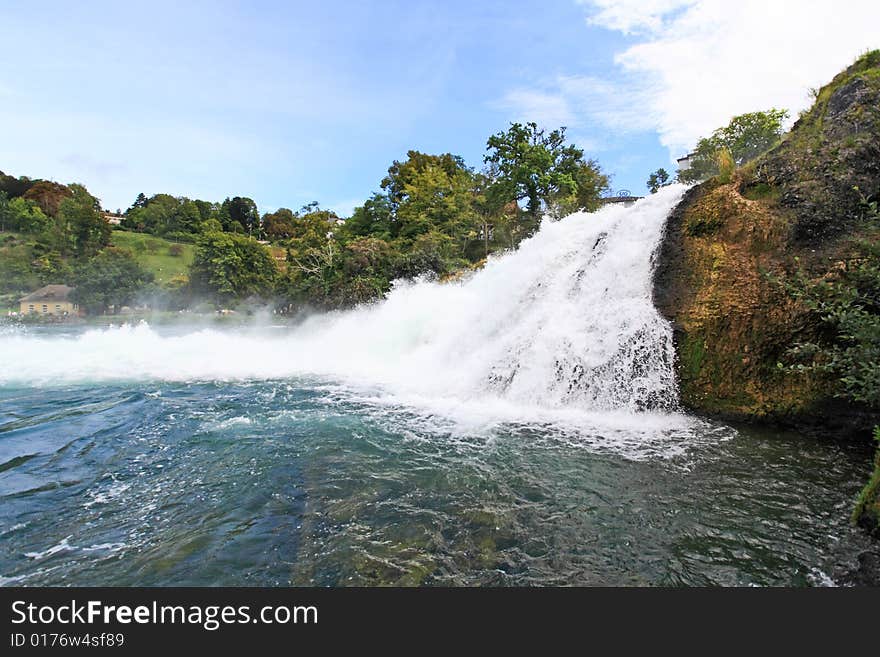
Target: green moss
761 192
867 509
702 222
693 353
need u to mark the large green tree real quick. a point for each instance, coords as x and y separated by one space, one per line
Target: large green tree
228 267
79 225
111 278
433 193
21 215
375 218
529 164
590 185
239 214
163 214
279 225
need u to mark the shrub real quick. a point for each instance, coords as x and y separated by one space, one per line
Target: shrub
726 165
845 306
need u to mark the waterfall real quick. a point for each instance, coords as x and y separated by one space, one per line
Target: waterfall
564 321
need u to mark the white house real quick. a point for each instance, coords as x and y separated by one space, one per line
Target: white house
684 163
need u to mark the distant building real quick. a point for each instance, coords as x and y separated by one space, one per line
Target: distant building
684 163
49 300
112 219
625 201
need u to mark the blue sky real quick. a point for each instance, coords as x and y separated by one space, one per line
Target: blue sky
290 102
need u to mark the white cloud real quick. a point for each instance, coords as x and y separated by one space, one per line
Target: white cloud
617 105
629 16
694 64
701 62
580 103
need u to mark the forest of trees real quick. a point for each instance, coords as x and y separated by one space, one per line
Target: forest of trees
433 215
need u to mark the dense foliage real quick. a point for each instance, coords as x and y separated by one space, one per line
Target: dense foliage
846 305
112 279
229 267
46 231
530 164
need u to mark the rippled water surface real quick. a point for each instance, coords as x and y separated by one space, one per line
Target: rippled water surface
308 482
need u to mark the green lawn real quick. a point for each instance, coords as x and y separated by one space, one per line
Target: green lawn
154 253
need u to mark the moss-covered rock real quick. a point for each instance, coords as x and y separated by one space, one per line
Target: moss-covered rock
729 247
867 510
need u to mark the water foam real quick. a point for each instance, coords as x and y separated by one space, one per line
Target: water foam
565 322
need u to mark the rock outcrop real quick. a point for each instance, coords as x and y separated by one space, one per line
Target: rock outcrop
729 248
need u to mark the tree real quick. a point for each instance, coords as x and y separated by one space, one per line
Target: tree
21 215
14 187
111 278
79 226
435 196
187 218
313 212
279 225
229 267
207 210
375 218
401 174
139 202
5 213
658 179
745 137
590 185
163 214
240 211
530 164
48 196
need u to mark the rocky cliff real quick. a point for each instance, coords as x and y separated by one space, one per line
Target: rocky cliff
731 246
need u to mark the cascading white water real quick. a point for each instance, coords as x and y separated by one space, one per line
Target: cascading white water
564 322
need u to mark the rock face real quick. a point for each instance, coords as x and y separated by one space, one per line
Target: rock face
729 247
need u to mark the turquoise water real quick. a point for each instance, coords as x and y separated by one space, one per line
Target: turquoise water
306 481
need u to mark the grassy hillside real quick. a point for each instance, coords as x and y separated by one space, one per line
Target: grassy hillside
165 259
